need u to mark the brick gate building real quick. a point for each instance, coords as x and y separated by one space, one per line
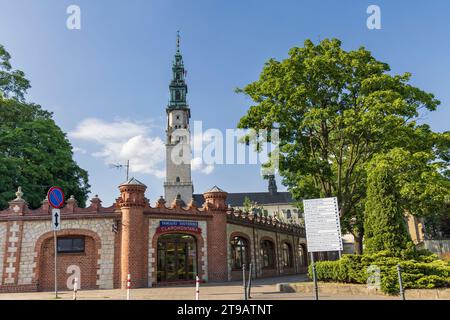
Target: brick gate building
157 245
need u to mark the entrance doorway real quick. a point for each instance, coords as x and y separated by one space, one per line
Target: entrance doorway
177 258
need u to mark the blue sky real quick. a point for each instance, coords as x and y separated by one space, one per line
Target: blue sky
107 83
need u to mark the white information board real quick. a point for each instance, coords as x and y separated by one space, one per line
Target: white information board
323 228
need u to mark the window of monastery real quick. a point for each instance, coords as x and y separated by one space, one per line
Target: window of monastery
302 255
286 252
268 254
71 245
240 252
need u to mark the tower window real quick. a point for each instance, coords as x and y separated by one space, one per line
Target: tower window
178 179
177 95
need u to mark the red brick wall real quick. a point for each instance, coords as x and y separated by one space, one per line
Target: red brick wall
133 255
217 247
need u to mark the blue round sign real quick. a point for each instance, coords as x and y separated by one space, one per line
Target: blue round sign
55 197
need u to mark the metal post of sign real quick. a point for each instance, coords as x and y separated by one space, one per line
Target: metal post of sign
55 266
244 284
313 266
400 282
249 286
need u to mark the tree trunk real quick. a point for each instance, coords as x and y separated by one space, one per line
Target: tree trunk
358 244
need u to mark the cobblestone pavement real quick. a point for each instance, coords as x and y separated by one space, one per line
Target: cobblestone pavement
262 289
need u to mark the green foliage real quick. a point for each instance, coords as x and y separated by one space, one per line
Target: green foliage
34 153
420 270
384 224
336 110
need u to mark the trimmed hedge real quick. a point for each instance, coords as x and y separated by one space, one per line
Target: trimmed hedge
420 270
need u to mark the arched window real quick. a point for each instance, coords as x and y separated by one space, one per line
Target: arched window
302 255
177 179
268 254
286 252
240 253
177 95
288 214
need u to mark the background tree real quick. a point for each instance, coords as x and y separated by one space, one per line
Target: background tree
335 110
34 153
384 223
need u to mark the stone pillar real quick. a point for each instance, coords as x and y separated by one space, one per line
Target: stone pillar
132 261
217 234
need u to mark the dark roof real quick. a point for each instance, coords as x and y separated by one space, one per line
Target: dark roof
237 199
132 181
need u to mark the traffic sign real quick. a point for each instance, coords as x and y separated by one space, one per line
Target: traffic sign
323 228
56 219
55 197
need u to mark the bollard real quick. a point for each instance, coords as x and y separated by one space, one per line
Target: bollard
400 282
75 288
129 287
249 285
244 284
197 288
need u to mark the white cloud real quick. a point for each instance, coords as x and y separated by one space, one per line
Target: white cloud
100 131
120 141
79 150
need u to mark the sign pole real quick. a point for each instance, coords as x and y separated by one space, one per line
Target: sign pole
56 255
55 197
313 265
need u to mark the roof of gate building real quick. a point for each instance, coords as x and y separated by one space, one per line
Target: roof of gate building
264 198
237 199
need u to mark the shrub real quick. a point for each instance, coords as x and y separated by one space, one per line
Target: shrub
422 270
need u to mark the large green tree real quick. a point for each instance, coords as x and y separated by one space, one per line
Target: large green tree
335 110
34 153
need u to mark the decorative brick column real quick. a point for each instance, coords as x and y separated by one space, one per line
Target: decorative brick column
217 234
132 261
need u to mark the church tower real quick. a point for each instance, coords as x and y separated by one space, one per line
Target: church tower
178 150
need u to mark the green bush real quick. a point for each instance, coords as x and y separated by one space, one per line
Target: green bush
420 270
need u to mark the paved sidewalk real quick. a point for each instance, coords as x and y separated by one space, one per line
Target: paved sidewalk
262 289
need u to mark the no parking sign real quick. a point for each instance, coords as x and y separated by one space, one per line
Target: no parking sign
55 197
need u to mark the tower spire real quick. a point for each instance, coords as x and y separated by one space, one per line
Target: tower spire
178 41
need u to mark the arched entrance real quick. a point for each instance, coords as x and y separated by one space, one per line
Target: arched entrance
177 258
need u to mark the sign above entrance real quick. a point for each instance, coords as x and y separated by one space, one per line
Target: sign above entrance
172 225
